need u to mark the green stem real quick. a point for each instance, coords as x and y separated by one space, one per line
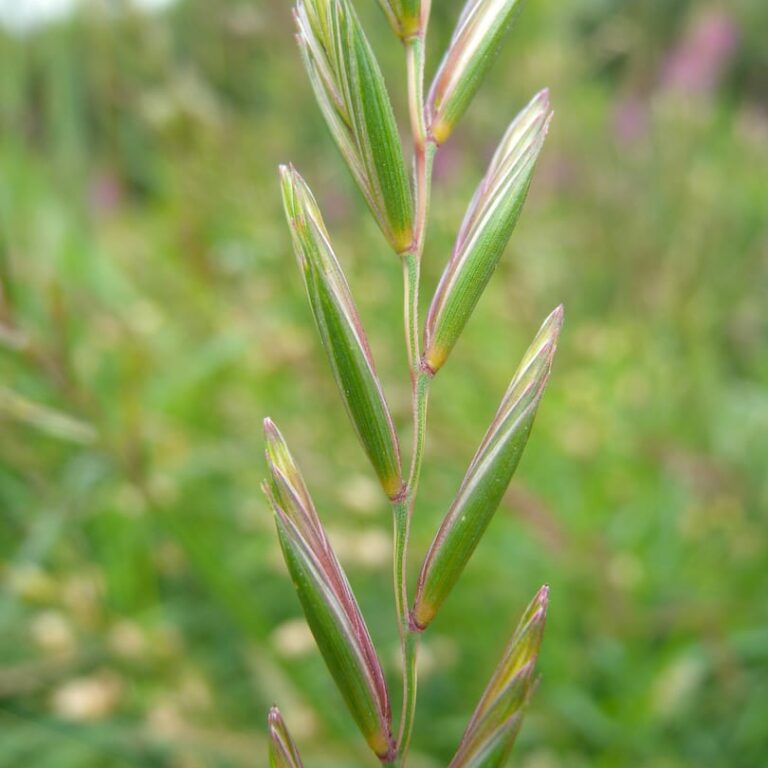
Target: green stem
420 403
424 151
423 147
411 274
403 509
400 517
408 646
410 654
414 62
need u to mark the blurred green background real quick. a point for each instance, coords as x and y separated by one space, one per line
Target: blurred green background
151 314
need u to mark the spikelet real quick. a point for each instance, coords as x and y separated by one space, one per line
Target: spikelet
474 45
352 96
488 476
485 231
341 332
326 597
494 726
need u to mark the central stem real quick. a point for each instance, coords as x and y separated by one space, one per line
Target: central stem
424 151
403 509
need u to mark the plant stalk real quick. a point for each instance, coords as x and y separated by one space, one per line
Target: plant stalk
403 509
424 151
423 147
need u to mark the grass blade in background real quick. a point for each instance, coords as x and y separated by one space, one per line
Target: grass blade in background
488 475
351 93
486 229
473 47
492 730
326 597
46 419
341 331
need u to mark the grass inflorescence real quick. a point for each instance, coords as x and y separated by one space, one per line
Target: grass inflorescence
353 99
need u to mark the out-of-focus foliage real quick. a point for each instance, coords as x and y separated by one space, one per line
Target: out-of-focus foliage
152 314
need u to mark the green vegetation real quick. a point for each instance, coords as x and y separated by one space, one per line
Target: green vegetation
152 312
